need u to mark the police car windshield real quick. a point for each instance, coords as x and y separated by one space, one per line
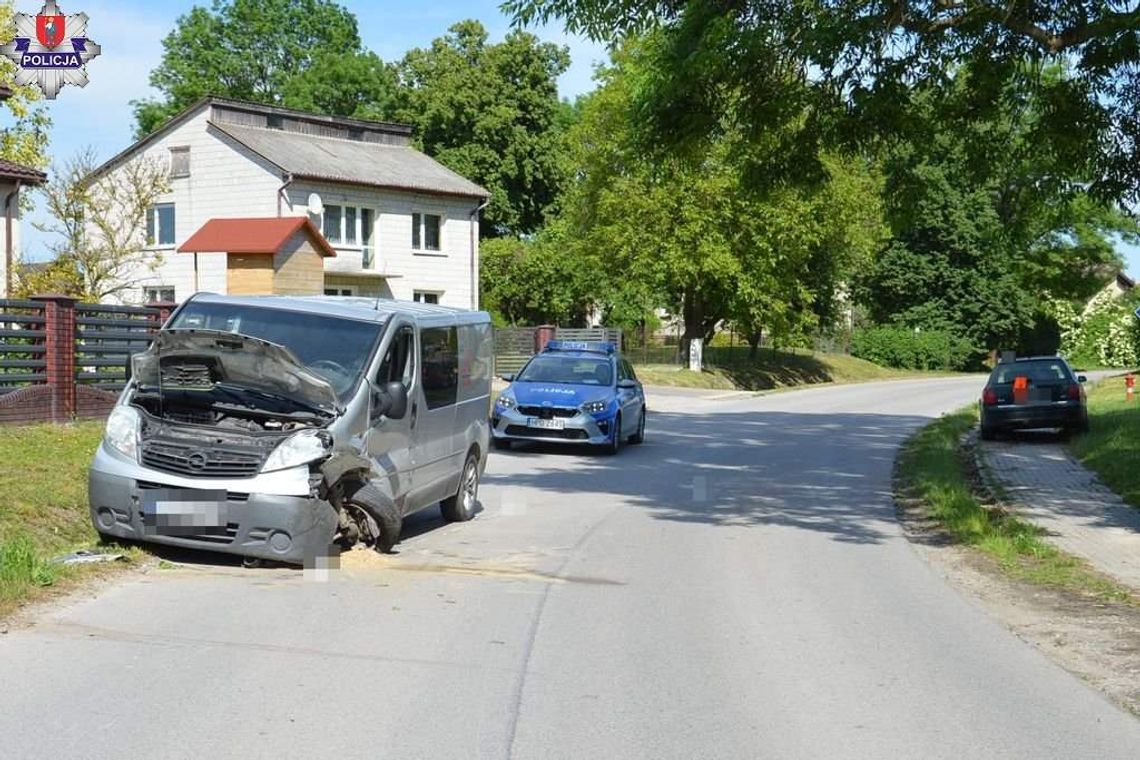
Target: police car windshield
571 370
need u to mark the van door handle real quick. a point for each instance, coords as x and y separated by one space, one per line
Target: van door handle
414 410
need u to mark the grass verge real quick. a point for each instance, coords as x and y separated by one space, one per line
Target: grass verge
937 472
43 508
1111 448
772 369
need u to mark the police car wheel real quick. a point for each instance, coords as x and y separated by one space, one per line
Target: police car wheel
614 446
639 436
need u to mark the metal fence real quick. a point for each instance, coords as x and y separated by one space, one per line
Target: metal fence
515 345
60 360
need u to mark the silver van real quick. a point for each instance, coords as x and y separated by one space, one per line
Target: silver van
285 428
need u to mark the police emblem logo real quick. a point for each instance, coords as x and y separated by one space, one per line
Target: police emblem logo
50 49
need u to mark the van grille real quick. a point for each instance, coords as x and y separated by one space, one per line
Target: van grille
197 462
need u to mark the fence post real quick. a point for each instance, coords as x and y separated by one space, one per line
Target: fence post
59 341
543 334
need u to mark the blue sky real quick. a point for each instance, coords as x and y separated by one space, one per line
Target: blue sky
131 32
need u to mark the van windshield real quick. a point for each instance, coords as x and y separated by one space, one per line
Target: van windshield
335 348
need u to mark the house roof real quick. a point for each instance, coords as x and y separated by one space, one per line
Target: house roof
333 159
266 236
1125 282
26 174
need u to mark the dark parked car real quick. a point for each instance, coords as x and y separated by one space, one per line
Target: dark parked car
1032 393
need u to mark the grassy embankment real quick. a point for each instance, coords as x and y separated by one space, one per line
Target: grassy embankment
43 507
935 473
1111 448
770 369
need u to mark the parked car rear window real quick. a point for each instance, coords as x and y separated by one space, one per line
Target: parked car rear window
1038 372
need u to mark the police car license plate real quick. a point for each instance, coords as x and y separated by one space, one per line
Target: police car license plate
535 422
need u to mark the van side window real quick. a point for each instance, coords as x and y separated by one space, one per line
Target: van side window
399 363
476 360
439 357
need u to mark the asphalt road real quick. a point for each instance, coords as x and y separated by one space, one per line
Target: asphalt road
737 587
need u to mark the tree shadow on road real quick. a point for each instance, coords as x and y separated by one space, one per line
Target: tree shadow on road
825 473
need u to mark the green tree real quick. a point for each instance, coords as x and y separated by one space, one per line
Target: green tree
724 65
490 111
533 282
986 225
697 233
298 53
24 136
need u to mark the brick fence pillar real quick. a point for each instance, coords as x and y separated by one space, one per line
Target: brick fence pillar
543 334
165 309
59 327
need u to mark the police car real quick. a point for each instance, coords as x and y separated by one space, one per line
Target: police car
572 392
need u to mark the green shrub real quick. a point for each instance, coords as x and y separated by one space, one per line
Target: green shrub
903 348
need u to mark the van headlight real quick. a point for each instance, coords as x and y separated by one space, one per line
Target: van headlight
122 431
594 407
299 448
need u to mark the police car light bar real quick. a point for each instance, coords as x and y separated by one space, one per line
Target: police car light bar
597 347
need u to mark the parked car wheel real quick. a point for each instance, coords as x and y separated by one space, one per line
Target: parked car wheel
461 507
639 436
988 433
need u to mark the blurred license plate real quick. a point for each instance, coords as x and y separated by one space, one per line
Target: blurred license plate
175 511
535 422
1034 396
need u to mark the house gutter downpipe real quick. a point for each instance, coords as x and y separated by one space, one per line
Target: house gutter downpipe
474 277
281 191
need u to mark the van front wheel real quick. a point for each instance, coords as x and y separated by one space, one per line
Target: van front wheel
461 507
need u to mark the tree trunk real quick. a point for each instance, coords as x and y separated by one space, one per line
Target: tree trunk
754 339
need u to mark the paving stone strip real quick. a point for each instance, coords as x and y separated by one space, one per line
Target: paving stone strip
1053 490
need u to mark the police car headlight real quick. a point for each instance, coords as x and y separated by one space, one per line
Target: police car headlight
299 448
593 407
505 401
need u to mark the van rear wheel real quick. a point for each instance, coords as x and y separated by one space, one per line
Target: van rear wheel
461 507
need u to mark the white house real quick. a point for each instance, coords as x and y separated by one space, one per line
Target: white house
402 225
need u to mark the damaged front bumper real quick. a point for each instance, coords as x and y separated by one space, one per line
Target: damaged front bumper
275 515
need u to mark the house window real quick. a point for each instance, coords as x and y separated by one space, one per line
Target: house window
340 291
425 232
333 225
368 249
158 294
160 224
179 162
350 225
423 296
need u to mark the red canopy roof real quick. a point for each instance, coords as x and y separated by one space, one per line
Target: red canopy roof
253 236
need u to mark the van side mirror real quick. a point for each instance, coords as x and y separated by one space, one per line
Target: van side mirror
390 401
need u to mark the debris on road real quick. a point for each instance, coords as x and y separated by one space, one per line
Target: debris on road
88 557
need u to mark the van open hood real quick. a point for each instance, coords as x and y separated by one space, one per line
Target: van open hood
199 359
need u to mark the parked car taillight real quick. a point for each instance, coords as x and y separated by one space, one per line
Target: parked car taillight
1075 391
989 397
